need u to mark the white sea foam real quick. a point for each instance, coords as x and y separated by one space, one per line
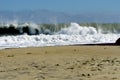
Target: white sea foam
75 34
76 29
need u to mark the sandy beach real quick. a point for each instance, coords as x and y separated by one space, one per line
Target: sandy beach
61 63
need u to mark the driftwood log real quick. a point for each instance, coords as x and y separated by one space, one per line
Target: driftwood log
117 42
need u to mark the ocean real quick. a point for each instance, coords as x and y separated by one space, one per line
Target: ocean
18 35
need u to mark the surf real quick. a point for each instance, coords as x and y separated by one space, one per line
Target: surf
35 35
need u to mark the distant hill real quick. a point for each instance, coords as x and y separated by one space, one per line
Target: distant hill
46 16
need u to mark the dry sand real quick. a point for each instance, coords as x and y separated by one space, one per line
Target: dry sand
61 63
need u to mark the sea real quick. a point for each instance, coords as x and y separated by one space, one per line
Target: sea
19 35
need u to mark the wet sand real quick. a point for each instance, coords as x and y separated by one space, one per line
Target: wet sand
61 63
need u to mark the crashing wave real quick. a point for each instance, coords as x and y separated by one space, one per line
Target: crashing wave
71 29
72 34
76 29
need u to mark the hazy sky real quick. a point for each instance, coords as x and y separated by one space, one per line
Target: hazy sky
70 6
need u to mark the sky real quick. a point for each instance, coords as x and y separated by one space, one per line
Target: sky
69 6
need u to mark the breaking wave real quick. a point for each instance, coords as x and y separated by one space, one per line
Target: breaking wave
69 29
30 34
76 29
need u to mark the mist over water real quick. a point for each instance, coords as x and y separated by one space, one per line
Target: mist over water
31 34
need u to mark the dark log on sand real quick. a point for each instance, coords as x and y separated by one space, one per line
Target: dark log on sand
117 42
